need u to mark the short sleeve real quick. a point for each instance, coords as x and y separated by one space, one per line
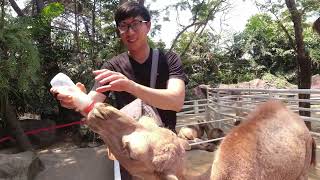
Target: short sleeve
175 67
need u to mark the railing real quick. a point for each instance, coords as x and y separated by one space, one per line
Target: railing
193 107
227 106
223 107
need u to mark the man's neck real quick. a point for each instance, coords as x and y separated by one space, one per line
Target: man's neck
140 55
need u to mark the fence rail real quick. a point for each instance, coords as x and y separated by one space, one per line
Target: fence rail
193 107
223 107
236 103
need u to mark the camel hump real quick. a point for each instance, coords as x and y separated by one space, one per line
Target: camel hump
268 108
272 106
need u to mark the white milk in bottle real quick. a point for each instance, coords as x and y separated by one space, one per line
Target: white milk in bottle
65 85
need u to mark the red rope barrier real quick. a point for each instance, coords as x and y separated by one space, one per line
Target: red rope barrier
36 131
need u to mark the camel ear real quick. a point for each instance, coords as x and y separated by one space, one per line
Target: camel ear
170 177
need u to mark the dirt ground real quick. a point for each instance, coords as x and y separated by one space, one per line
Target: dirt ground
65 160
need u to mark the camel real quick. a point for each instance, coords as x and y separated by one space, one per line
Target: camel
212 132
191 132
194 134
146 150
272 144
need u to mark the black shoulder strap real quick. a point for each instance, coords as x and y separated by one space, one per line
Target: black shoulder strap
146 109
154 68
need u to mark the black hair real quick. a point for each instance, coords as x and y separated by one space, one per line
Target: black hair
131 9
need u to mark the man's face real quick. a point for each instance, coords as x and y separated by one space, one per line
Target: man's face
133 32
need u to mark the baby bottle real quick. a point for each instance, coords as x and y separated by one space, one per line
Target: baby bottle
66 86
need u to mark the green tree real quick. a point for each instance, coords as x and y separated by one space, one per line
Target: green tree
202 13
296 12
19 66
267 45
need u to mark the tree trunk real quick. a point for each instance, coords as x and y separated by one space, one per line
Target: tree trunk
49 65
93 53
122 1
2 15
16 8
39 5
316 25
76 24
303 59
16 130
141 2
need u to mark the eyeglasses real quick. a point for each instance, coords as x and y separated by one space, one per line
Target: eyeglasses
135 25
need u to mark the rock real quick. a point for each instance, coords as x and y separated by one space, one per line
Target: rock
201 91
66 163
21 166
253 84
43 138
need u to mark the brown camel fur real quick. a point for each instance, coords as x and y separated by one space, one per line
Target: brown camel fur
272 144
145 150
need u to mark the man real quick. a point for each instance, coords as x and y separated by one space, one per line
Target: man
316 25
130 79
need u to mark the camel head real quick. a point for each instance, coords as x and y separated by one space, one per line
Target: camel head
144 149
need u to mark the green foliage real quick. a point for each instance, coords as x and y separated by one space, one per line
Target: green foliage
280 82
198 62
52 11
282 45
268 46
262 49
19 60
312 41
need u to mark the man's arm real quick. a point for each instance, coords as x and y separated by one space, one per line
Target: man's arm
97 97
171 98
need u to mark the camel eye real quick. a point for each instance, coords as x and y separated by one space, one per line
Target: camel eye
136 145
127 150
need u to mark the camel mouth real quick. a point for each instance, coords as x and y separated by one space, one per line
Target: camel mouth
104 111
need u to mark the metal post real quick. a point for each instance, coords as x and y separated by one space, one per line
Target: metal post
270 95
196 107
218 116
207 106
117 175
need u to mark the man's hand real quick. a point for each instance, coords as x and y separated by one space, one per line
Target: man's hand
66 99
113 81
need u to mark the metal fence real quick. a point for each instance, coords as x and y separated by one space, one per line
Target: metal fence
193 107
223 107
226 106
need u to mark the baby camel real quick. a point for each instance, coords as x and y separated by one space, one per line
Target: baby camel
194 134
144 149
